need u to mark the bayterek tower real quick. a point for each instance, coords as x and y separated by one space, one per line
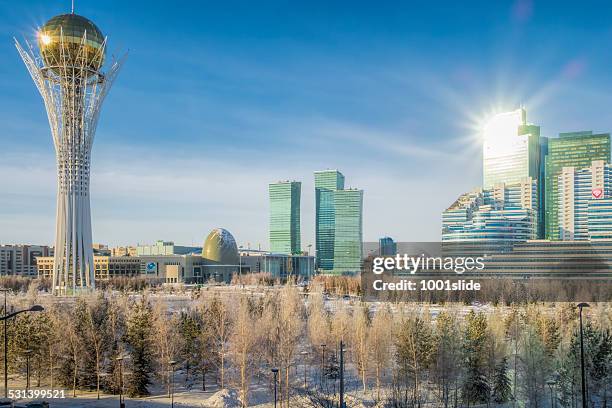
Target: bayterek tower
67 68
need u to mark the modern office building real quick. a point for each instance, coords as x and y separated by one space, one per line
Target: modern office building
67 71
386 246
578 150
165 248
285 236
339 224
327 182
348 236
511 149
579 191
21 260
278 265
499 216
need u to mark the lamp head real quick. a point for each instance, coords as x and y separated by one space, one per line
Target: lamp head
583 304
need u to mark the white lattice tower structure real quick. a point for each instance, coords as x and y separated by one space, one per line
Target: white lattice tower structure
67 73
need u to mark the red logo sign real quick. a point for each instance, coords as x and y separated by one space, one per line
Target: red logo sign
597 192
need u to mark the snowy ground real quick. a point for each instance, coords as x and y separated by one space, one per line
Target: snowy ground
260 396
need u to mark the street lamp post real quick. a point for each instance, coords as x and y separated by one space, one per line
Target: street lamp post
27 354
35 308
172 364
341 374
304 356
5 348
275 372
240 260
551 384
322 363
580 307
120 360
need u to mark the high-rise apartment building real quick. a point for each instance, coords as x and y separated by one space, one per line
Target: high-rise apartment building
584 202
285 217
578 150
339 219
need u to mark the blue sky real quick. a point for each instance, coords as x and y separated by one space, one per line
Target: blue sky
217 99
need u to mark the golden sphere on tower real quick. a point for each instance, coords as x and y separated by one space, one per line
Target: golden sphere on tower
70 43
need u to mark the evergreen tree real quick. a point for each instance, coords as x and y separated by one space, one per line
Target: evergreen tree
138 338
476 388
415 348
535 367
115 332
448 357
551 337
502 388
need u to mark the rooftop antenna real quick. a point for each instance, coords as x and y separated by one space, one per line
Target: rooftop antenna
72 6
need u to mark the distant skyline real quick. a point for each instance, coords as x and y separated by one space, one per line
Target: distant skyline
218 100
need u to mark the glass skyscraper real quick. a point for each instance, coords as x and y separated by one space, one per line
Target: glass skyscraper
348 232
386 246
339 218
511 149
576 149
327 182
285 217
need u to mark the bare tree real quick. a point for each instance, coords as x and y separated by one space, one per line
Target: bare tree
96 316
167 339
244 339
360 342
221 326
380 344
290 323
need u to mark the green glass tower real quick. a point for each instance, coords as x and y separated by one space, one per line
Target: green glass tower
575 149
348 232
285 217
339 219
327 182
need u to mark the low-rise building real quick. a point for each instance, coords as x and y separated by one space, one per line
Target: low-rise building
105 266
278 265
124 251
165 248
